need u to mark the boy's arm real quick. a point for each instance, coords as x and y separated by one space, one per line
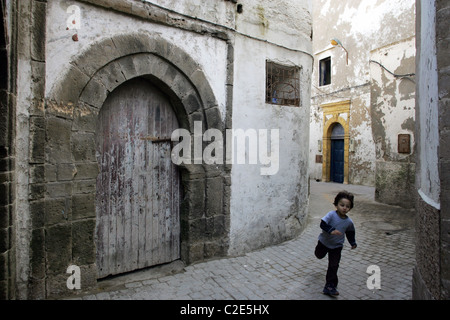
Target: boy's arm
326 227
350 234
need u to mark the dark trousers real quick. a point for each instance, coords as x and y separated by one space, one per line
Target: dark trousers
334 257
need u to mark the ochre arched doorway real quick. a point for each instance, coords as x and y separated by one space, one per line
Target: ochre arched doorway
337 151
336 141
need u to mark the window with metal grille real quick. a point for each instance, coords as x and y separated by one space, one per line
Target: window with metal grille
282 84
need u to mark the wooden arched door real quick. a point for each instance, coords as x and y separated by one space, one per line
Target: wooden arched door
138 187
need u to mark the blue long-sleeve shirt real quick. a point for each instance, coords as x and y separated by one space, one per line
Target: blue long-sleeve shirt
332 221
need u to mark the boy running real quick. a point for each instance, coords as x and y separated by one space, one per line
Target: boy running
334 226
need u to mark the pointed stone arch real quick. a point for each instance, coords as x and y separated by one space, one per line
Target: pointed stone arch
106 64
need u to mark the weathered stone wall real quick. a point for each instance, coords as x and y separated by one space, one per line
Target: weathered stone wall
443 67
57 110
27 57
72 156
427 270
198 58
431 278
7 283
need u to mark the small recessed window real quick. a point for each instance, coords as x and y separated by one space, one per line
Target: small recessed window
404 143
282 84
325 71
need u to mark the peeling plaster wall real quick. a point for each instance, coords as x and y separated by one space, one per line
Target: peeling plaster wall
362 27
393 113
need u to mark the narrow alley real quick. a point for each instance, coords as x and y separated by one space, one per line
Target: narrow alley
186 151
290 271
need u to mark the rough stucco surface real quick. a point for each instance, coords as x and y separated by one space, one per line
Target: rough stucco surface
428 179
215 11
284 22
270 209
393 113
393 97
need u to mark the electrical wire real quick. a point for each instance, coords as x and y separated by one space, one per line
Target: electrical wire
395 75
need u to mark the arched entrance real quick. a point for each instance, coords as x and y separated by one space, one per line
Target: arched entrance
93 78
138 186
336 141
337 154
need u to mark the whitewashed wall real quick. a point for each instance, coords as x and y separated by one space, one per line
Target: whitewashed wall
428 180
270 209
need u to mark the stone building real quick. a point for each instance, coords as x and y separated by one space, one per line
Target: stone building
431 277
91 94
363 96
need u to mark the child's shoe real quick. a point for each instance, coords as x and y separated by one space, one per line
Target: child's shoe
326 290
333 291
330 290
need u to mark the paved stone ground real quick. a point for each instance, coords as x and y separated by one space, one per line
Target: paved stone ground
385 237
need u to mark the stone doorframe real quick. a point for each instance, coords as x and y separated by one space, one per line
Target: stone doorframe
74 104
333 113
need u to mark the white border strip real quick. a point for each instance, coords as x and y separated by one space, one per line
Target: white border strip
428 200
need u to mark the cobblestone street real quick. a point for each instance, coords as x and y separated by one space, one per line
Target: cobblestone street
385 238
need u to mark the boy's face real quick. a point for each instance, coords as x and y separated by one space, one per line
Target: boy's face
343 207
